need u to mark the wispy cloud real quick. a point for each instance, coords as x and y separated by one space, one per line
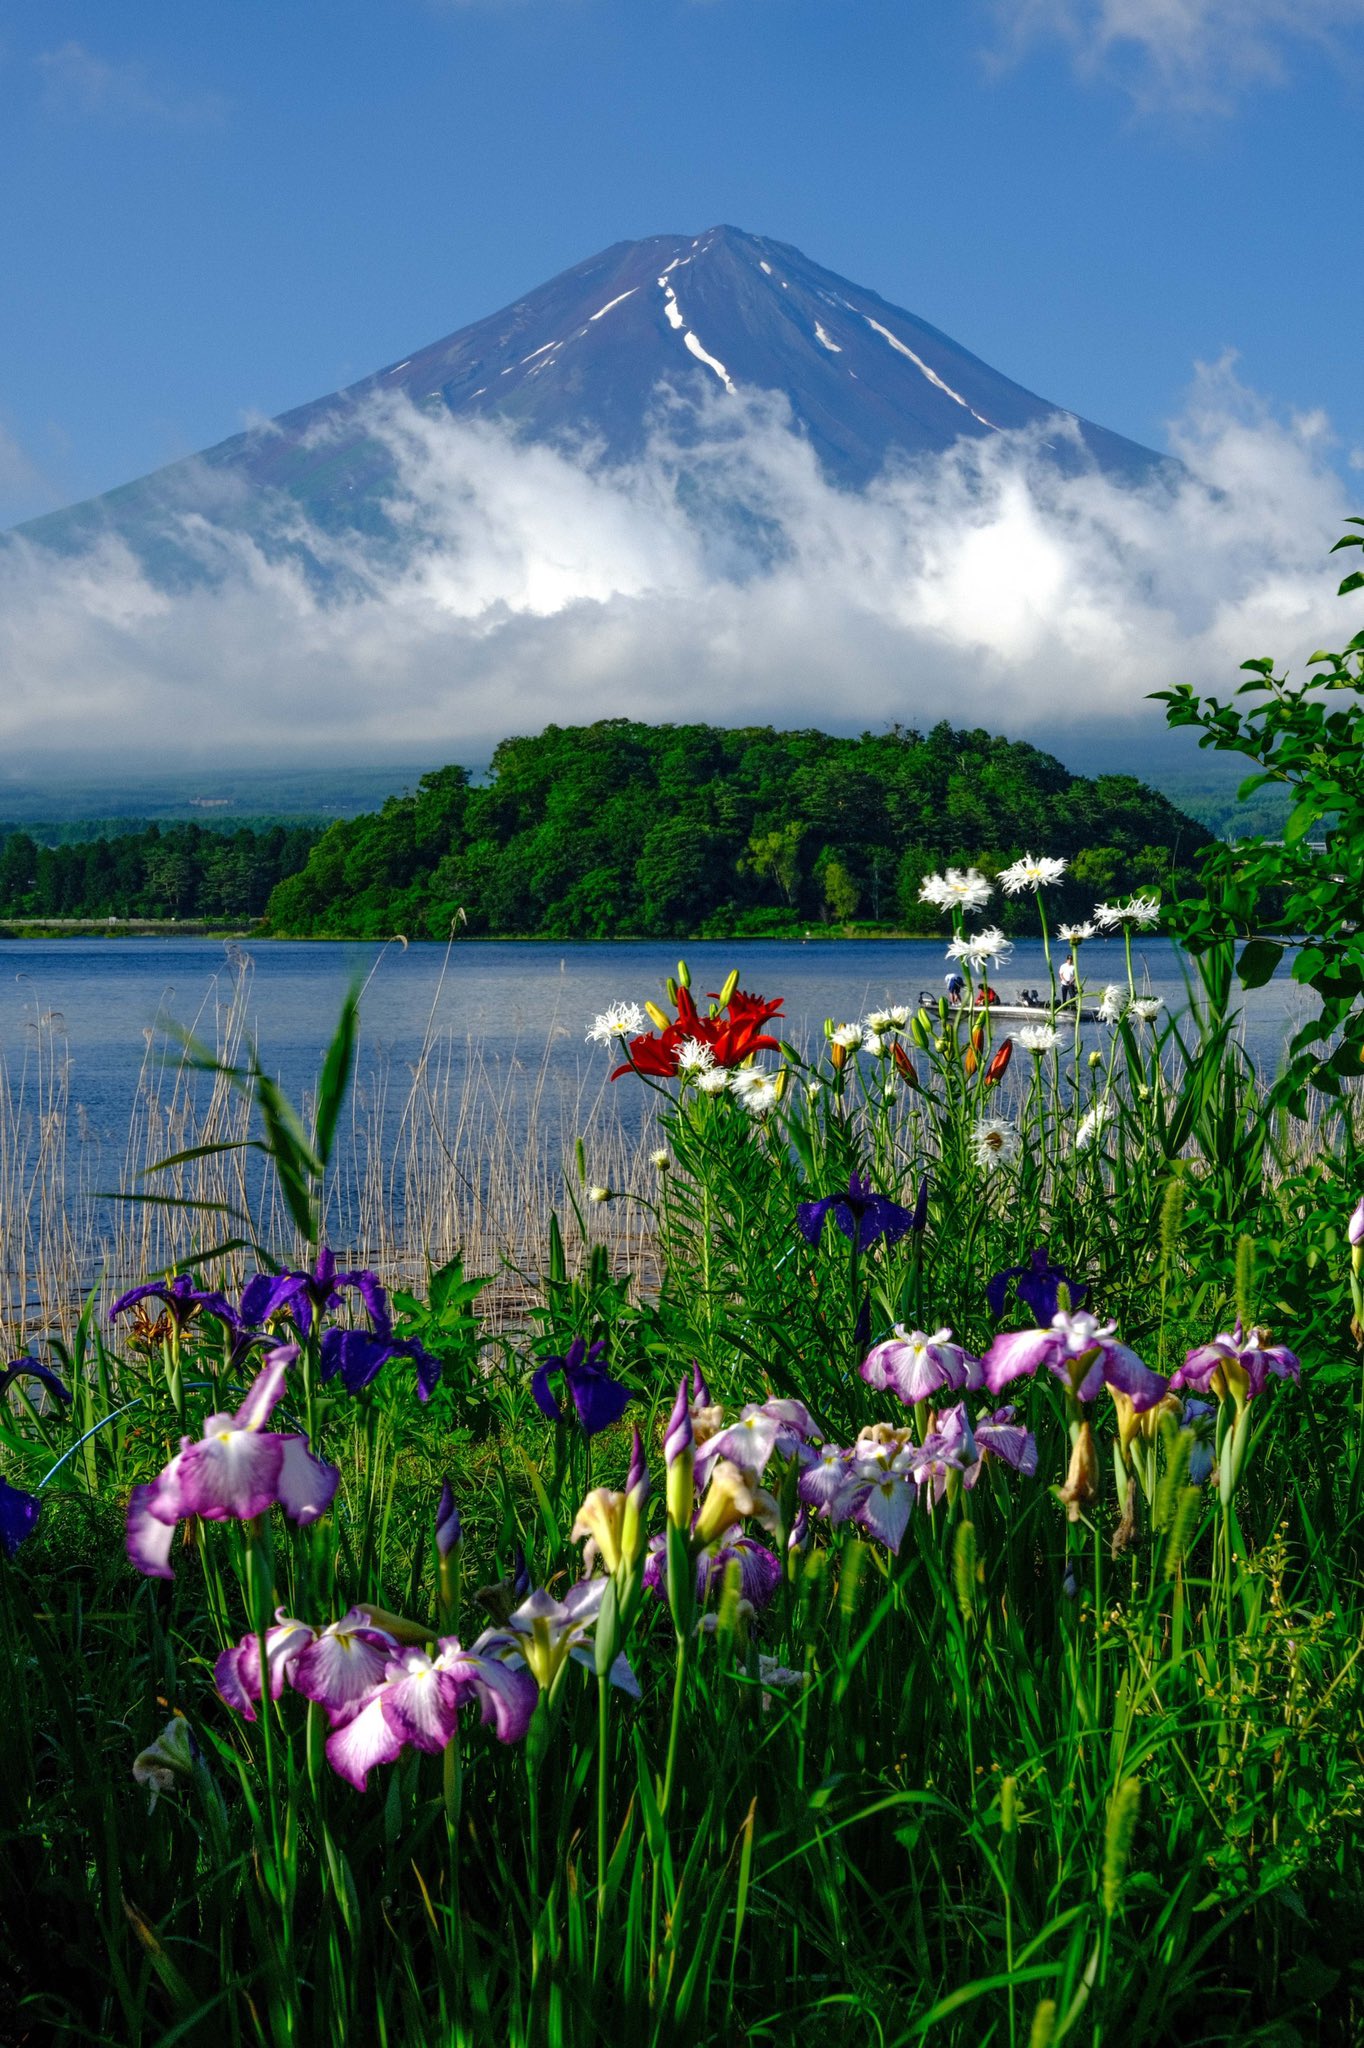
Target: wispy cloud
981 586
78 82
1187 55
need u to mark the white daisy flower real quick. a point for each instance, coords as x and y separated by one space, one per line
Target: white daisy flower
1039 1038
995 1142
1113 1004
694 1058
899 1015
874 1042
847 1035
619 1020
982 947
759 1092
713 1081
1092 1123
599 1194
878 1020
1033 871
661 1160
1147 1008
958 889
1138 910
1076 934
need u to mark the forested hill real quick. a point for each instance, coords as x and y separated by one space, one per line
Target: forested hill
617 828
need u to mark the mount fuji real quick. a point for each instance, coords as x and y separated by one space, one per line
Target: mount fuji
583 362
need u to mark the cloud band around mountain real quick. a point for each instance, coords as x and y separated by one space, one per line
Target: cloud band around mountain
721 577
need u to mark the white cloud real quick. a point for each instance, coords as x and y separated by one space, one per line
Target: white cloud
76 81
725 580
1192 55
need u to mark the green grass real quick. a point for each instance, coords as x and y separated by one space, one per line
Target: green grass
1033 1785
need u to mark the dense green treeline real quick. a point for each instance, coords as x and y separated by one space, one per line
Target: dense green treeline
182 871
614 828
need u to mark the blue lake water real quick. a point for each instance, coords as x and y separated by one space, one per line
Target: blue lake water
523 1006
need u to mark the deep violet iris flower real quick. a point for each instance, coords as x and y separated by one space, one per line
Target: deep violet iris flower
1037 1285
357 1356
1080 1351
598 1399
861 1215
34 1369
306 1296
237 1470
759 1569
182 1301
19 1512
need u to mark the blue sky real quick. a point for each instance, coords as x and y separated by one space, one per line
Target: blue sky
214 211
211 213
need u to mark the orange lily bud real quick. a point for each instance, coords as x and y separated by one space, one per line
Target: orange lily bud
905 1066
995 1071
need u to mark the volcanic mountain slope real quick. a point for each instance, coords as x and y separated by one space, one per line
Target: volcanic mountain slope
582 362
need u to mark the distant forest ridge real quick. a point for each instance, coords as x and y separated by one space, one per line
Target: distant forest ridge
153 871
619 828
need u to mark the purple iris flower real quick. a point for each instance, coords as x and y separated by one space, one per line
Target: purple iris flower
598 1399
783 1426
1000 1436
1037 1285
182 1301
1243 1361
759 1568
34 1369
308 1295
416 1704
19 1512
915 1367
861 1215
238 1470
1080 1351
357 1356
336 1665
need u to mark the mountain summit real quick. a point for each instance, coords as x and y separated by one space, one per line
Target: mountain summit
582 359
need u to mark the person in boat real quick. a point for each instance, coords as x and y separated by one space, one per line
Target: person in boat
955 985
1065 980
985 994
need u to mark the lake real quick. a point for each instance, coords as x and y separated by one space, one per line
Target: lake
473 1080
520 1004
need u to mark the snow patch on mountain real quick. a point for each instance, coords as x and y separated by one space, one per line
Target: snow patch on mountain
931 374
711 363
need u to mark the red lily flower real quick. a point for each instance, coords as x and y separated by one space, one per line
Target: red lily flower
731 1038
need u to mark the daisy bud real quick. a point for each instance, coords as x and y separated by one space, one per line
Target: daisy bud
599 1194
661 1160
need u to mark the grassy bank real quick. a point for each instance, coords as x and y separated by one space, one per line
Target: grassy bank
936 1722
